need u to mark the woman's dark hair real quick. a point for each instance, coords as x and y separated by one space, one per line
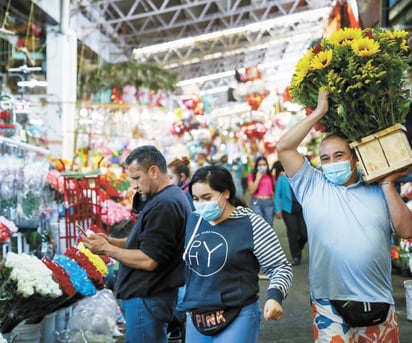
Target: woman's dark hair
255 168
146 156
278 168
219 179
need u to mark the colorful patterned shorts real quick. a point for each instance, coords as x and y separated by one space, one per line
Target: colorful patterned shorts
329 327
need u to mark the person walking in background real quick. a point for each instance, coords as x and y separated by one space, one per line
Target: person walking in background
350 224
179 174
286 207
261 185
151 266
226 246
201 159
246 170
237 170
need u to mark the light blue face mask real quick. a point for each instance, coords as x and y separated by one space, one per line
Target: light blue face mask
209 210
337 172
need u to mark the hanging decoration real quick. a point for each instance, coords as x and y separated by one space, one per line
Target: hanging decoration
250 87
138 75
7 116
254 130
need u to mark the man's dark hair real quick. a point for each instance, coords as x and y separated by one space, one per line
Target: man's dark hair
146 156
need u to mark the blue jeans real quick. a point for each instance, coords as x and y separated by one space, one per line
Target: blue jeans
263 207
147 318
180 313
244 329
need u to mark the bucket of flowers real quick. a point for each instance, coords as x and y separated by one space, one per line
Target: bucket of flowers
364 71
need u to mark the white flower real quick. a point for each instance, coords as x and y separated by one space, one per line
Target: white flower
32 276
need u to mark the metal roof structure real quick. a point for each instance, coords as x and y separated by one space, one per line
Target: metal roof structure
203 41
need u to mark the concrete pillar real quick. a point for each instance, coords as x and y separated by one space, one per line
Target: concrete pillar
62 82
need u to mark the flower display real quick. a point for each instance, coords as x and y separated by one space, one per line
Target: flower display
31 276
95 259
364 73
26 290
94 275
60 276
78 276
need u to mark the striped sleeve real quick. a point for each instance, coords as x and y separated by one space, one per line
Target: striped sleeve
271 258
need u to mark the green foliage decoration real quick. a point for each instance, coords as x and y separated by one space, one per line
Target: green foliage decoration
125 73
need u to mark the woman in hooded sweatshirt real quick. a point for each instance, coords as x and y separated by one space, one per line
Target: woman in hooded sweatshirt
226 246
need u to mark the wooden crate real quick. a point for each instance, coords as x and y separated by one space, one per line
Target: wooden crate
383 152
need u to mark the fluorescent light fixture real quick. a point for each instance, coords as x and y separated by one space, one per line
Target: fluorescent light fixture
32 83
206 78
267 24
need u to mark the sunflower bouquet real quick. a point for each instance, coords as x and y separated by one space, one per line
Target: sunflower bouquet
364 73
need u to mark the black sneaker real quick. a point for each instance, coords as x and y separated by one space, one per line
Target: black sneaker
295 261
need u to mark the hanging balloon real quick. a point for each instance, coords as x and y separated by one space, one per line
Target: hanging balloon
188 102
254 101
254 129
286 95
179 113
129 94
253 73
199 108
270 147
207 101
116 96
178 128
155 98
240 91
257 86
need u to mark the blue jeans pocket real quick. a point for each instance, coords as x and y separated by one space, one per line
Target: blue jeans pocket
160 308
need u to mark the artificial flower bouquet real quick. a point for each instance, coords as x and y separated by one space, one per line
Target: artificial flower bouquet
26 287
31 288
364 73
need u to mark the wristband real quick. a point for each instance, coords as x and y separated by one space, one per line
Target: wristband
385 183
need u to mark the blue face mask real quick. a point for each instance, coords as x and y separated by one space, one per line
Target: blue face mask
338 172
208 210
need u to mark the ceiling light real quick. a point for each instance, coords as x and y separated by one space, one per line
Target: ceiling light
267 24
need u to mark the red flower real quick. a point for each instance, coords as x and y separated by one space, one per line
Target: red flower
308 110
60 276
369 34
319 127
94 275
317 49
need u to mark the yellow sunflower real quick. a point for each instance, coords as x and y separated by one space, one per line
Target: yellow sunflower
364 73
345 37
302 67
396 34
365 47
322 59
